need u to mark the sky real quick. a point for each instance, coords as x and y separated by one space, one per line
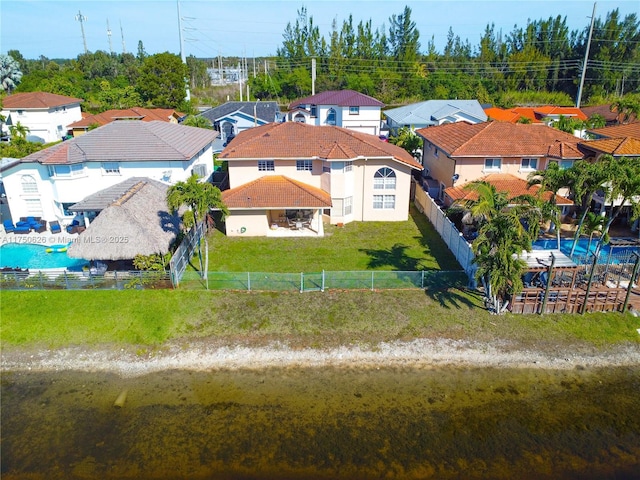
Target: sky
212 28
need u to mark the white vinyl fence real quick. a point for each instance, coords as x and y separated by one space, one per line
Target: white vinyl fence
458 245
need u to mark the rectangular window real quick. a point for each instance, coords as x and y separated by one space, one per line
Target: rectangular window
348 166
314 111
348 206
304 165
111 168
384 202
354 110
384 183
435 152
564 164
266 166
529 164
492 164
34 207
63 171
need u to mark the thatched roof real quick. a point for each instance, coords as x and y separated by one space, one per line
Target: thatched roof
137 223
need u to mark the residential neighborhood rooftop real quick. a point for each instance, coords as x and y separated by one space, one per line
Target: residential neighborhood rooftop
342 98
37 100
135 113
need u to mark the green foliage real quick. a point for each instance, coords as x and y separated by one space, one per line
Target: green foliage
198 121
162 80
407 139
154 262
19 148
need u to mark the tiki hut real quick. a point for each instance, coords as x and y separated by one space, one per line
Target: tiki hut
132 219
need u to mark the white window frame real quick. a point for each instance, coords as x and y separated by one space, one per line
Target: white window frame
492 167
354 110
384 179
314 111
33 207
29 185
304 165
110 168
348 166
565 164
266 166
347 206
332 114
384 202
75 170
528 167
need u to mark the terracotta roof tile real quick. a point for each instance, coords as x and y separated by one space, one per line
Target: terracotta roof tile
498 139
615 146
619 131
275 191
144 114
302 141
501 115
341 98
564 150
37 100
504 182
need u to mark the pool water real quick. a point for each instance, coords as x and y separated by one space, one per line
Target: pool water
34 257
582 248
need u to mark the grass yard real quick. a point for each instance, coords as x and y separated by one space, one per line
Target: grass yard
410 245
148 318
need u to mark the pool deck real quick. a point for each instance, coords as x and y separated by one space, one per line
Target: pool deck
33 238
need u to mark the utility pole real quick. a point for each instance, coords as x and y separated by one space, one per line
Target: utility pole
81 18
313 76
124 48
586 57
184 60
109 35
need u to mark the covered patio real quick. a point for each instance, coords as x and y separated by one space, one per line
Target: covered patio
275 206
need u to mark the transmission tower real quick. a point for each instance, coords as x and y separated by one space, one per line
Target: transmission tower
109 35
81 18
124 48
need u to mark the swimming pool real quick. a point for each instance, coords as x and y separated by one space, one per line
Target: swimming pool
582 246
35 257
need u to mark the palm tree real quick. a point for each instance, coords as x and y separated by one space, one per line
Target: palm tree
585 179
550 180
504 232
623 189
198 121
199 197
10 74
593 223
19 131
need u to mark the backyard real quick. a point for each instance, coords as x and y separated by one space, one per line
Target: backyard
409 245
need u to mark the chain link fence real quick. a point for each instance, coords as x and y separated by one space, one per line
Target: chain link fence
63 280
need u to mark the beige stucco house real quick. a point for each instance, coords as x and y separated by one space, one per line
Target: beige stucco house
286 178
459 153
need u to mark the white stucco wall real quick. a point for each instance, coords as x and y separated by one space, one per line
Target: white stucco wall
45 125
52 191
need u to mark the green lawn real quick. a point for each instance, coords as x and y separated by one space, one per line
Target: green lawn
148 318
408 245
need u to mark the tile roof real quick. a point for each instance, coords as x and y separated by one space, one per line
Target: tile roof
129 141
615 146
618 131
564 150
301 141
341 98
428 112
546 110
266 111
136 113
275 191
500 139
603 110
504 182
37 100
502 115
535 114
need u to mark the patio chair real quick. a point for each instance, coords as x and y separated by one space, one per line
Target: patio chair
73 228
41 227
8 226
55 227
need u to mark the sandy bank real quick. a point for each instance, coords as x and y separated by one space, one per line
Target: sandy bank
419 353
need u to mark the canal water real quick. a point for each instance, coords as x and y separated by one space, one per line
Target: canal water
324 423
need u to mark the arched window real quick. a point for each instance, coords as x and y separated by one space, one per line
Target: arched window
227 129
29 184
299 118
331 117
384 179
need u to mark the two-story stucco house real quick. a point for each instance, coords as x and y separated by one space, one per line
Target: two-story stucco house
46 115
47 183
342 108
286 177
459 153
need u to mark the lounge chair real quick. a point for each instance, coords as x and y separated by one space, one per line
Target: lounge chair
8 226
73 228
40 227
55 227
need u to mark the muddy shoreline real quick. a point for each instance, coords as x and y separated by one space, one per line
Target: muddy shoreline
205 355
